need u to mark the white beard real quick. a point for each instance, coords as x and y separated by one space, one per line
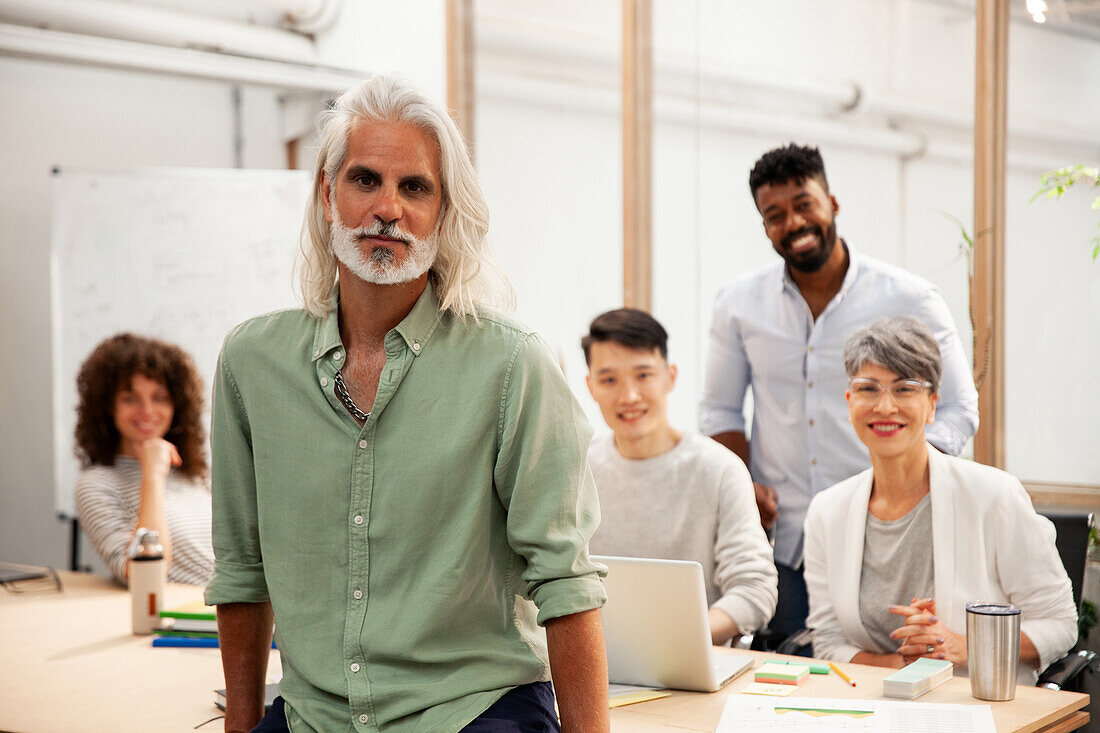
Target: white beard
380 266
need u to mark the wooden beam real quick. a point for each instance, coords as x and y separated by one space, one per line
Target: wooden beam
987 296
460 66
637 66
292 153
1084 497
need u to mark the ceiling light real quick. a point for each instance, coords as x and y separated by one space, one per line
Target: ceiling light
1037 8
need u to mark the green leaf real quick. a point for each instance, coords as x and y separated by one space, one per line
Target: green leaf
1056 182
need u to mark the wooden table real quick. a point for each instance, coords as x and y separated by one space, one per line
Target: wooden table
69 663
1034 709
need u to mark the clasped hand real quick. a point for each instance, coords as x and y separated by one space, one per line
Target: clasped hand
924 635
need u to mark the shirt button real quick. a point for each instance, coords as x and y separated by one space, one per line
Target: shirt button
362 444
416 346
813 461
337 356
811 422
810 385
811 348
357 594
355 666
363 718
358 519
324 381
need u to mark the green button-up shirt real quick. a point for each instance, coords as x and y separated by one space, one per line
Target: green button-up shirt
401 557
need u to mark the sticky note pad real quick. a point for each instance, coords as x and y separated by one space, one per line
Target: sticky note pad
815 667
766 688
783 674
631 698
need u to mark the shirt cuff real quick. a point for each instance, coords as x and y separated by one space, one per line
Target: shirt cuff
566 596
236 583
945 437
1052 639
842 653
743 613
714 421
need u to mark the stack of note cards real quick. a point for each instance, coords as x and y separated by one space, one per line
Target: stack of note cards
917 678
191 619
191 625
782 674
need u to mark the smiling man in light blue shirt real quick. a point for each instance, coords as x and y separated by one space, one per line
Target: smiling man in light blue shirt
781 331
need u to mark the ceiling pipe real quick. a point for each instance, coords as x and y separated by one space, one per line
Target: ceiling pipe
303 16
586 62
320 21
33 43
159 25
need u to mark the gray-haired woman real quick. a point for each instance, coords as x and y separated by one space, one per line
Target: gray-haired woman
894 553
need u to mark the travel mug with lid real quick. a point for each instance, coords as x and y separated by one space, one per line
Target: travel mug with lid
993 649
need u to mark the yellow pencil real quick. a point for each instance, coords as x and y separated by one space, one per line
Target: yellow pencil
843 676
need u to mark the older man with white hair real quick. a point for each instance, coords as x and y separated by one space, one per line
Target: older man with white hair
399 471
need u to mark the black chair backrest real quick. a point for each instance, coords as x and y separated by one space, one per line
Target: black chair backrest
1073 544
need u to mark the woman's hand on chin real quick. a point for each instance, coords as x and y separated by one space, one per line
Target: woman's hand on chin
158 456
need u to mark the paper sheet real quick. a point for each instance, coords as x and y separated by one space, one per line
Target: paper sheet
767 688
620 695
748 713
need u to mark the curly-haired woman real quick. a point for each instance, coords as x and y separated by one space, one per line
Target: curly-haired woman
139 435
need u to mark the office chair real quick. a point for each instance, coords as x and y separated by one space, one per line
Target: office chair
1073 543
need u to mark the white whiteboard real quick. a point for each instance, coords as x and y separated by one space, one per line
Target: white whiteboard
177 254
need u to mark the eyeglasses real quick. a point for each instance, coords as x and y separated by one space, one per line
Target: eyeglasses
903 391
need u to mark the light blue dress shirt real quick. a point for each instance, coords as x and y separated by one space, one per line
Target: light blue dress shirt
763 336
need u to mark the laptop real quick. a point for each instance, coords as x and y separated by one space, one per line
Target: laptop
656 630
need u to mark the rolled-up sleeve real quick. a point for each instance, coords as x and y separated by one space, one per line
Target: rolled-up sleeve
238 566
957 409
1033 577
544 482
721 409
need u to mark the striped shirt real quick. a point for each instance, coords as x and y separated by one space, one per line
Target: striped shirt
108 499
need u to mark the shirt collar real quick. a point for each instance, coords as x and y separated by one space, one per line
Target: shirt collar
326 336
416 328
786 281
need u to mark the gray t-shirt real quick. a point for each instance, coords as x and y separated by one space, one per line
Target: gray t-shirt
897 566
694 502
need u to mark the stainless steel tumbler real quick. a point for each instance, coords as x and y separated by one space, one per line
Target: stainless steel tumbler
993 649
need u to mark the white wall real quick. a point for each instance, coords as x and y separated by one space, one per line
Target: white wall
896 164
58 115
549 150
62 115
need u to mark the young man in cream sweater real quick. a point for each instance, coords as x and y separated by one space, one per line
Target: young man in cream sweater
666 494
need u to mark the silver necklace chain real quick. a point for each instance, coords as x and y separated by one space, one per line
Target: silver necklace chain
349 403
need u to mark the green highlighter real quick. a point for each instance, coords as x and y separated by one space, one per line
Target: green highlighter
815 668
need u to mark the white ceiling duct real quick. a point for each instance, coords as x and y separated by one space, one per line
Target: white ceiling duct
34 43
160 25
303 16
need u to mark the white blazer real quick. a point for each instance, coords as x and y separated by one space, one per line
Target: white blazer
988 544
